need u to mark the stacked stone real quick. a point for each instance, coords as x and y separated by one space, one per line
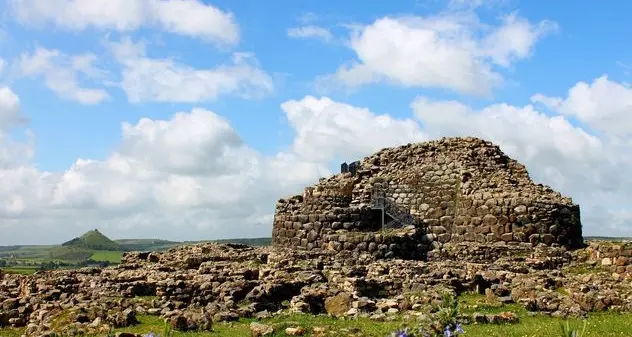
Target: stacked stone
615 256
461 189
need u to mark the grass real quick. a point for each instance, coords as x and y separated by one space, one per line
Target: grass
106 255
70 253
242 328
470 303
598 325
602 325
27 270
607 324
582 269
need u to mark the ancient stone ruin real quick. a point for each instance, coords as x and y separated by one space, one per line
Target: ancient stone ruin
408 200
454 216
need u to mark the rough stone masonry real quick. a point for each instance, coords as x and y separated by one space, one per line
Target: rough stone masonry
458 190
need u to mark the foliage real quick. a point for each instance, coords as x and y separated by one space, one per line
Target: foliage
443 322
568 332
166 332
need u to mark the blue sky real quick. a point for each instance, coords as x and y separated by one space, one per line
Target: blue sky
260 56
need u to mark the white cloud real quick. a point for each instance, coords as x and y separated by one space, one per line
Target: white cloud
603 104
188 176
61 73
165 80
514 39
452 51
310 31
10 111
184 17
12 153
325 129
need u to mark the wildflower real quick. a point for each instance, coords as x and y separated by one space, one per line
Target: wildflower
402 333
447 332
459 329
151 334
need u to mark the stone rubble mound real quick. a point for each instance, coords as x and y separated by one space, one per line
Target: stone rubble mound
195 286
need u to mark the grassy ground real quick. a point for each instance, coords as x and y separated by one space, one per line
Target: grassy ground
26 270
598 325
106 255
607 324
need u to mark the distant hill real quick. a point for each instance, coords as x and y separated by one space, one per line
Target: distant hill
607 238
70 253
256 242
146 244
93 240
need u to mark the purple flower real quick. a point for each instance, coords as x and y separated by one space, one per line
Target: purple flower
447 332
402 333
459 329
151 334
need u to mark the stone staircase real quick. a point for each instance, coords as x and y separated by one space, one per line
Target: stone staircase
400 216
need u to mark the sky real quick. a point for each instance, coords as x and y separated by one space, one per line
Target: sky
189 119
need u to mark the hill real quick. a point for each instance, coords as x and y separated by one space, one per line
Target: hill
93 240
145 244
255 242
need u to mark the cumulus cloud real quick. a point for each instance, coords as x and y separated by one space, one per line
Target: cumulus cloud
187 176
165 80
10 110
325 128
593 168
452 50
61 73
310 31
185 17
12 153
603 104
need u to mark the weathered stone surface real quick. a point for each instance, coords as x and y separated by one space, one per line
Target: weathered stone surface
260 330
237 281
338 305
459 189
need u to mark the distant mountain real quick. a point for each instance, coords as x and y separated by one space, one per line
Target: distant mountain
256 242
146 244
93 240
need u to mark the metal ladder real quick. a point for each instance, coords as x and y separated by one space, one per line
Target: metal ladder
400 215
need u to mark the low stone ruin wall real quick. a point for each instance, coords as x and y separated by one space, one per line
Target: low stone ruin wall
617 257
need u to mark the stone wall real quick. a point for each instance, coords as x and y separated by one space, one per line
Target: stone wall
617 257
458 190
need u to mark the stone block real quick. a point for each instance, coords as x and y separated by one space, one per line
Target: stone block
507 237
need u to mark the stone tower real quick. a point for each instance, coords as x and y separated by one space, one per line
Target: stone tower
406 200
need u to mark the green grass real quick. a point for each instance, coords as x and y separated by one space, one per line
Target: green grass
27 270
608 324
599 325
26 252
70 253
470 303
106 255
242 328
